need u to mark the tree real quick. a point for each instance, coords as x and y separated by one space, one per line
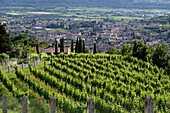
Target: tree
20 38
148 53
161 56
94 48
37 49
3 58
76 48
56 47
86 50
62 45
25 42
126 50
141 51
79 45
137 49
32 41
72 46
27 50
112 50
168 67
17 51
5 40
83 47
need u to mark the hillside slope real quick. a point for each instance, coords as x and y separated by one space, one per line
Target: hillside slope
116 83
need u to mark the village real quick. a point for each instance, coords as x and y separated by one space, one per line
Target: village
114 29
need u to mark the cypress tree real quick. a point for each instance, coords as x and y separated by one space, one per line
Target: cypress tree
56 47
94 48
62 45
76 48
25 42
83 47
37 49
72 44
80 46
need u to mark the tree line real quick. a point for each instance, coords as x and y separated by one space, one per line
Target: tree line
78 47
16 46
158 55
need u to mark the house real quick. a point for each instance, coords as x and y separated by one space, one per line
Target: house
50 50
38 28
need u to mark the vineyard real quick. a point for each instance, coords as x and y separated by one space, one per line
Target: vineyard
118 84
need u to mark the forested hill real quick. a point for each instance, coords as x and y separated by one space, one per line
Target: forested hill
92 3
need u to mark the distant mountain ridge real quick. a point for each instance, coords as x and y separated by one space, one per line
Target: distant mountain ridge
92 3
89 1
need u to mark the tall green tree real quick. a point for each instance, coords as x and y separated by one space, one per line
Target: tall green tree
127 50
37 48
5 40
62 44
94 48
161 56
137 49
25 42
76 47
72 46
168 67
141 51
83 47
79 45
20 38
56 47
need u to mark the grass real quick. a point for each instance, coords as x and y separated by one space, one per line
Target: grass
166 25
94 9
56 29
35 105
125 17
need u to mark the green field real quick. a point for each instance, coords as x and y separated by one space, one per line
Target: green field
117 9
66 13
56 29
124 17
